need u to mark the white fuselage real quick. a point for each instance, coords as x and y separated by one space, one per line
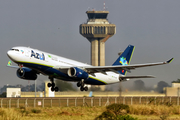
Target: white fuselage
42 62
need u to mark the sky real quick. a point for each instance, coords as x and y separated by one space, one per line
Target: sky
152 26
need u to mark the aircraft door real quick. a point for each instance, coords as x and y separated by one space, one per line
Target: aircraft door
27 52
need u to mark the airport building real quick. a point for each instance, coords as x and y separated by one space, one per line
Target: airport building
173 91
13 92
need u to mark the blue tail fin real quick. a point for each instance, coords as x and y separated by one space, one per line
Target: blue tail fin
125 58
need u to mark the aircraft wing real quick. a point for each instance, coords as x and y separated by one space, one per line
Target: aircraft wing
103 69
135 77
116 68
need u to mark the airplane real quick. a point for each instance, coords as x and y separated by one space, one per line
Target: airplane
32 62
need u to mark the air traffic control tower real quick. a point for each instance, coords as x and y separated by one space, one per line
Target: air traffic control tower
97 30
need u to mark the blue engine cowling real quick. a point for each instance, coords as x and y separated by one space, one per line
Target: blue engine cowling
26 73
77 72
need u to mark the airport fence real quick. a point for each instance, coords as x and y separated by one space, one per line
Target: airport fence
85 101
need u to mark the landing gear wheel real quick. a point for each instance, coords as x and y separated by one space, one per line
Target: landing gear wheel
52 84
82 88
86 88
56 89
52 88
78 84
81 83
49 84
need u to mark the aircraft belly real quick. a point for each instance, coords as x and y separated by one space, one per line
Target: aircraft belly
93 81
101 79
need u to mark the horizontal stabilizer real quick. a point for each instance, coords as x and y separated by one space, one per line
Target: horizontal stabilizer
121 78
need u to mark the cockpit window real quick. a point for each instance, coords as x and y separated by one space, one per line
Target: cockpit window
15 50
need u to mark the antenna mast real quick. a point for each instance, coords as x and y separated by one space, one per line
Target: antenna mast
104 6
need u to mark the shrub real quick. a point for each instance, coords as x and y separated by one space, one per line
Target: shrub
116 112
107 115
118 109
24 112
35 111
125 117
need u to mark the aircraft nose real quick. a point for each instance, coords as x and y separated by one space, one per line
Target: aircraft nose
10 54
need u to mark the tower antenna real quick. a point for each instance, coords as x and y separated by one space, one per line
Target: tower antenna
104 6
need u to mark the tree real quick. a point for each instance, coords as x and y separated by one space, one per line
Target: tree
161 85
3 95
177 81
139 85
3 89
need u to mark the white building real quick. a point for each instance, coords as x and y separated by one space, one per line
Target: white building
13 92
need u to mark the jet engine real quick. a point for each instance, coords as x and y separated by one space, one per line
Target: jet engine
77 72
26 73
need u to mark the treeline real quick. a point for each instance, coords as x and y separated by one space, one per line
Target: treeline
23 88
139 85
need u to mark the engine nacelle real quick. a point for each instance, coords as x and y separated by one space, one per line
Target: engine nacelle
77 72
26 73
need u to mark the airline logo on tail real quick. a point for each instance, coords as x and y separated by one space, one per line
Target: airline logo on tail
123 61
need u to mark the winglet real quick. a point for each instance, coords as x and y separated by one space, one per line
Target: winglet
9 63
169 61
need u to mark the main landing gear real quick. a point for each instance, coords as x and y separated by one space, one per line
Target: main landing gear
52 85
81 85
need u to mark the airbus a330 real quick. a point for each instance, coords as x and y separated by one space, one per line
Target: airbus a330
32 62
